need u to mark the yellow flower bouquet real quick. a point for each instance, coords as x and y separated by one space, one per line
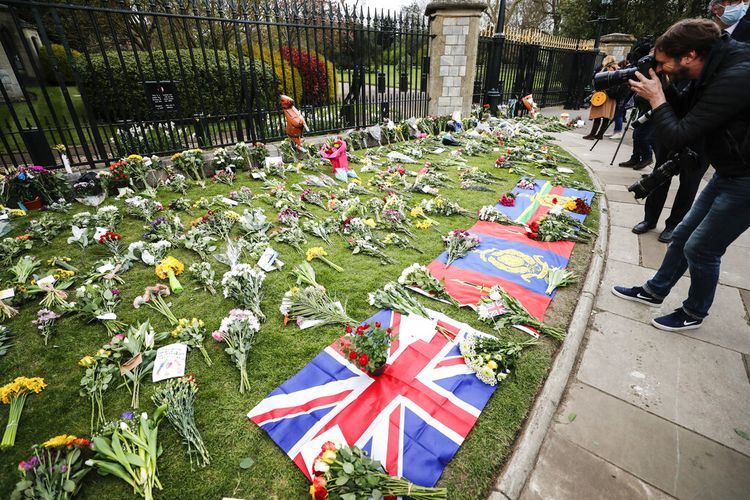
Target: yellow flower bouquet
14 394
170 268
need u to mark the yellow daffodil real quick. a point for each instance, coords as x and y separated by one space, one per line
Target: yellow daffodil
424 224
315 252
19 386
370 222
416 212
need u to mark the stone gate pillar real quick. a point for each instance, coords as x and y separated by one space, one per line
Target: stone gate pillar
454 31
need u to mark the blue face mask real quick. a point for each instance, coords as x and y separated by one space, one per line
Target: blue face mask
733 13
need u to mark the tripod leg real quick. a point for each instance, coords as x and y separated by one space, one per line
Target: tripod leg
619 144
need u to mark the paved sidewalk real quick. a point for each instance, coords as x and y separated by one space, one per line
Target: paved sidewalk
649 413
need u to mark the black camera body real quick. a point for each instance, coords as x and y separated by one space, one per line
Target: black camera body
609 79
684 160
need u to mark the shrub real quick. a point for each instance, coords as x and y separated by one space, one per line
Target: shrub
45 64
317 75
205 86
290 81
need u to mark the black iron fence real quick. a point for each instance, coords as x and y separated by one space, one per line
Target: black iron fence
555 70
113 77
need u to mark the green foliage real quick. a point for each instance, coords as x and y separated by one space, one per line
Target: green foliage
290 81
203 85
64 66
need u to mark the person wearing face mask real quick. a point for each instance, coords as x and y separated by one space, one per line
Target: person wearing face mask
718 112
730 16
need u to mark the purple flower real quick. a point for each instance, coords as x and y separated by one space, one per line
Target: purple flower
127 415
33 461
115 291
64 468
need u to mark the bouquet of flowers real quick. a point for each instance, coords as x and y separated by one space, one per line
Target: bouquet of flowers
82 236
320 253
218 223
177 183
97 303
557 277
417 275
148 253
238 332
54 295
135 168
418 211
313 197
491 358
244 195
99 373
578 206
365 246
45 323
368 347
440 206
6 310
312 303
192 332
24 267
400 241
517 314
292 236
227 161
254 223
205 275
153 296
55 470
557 227
14 394
223 177
490 213
180 205
178 395
199 241
11 247
190 162
474 186
169 267
395 220
245 285
168 228
45 228
320 229
305 275
128 449
107 216
60 206
6 340
394 296
135 353
459 243
143 208
348 473
526 184
113 242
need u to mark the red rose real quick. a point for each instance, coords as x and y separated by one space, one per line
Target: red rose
554 200
352 355
363 360
328 446
377 324
389 329
534 226
348 329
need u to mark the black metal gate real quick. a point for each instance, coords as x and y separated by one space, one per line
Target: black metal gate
116 77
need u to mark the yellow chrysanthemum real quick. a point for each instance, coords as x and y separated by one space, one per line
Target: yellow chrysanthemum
229 214
86 361
168 263
416 212
61 274
21 385
570 205
17 212
424 224
61 440
135 157
176 156
315 252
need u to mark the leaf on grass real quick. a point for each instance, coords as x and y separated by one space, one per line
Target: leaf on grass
742 434
572 417
246 463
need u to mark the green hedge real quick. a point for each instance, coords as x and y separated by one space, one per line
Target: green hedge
62 61
210 88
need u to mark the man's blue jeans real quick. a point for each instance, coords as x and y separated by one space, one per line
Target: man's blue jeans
718 217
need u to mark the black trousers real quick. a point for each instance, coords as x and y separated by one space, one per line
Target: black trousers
689 183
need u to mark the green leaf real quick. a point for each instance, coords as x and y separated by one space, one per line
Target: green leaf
342 480
742 434
246 463
349 496
69 486
373 480
376 494
572 417
348 467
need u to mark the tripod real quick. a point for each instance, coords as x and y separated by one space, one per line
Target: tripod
633 114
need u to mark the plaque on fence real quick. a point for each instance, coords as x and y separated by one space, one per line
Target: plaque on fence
162 95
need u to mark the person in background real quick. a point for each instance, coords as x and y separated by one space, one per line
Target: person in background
604 113
643 136
620 94
729 15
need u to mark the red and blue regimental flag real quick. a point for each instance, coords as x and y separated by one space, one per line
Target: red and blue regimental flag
412 418
532 204
506 257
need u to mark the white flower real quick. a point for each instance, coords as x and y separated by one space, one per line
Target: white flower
123 426
89 462
148 342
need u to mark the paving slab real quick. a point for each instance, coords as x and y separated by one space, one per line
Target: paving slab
566 470
725 326
675 460
621 196
624 247
652 250
672 376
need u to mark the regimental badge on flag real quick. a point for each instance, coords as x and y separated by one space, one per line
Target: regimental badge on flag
412 418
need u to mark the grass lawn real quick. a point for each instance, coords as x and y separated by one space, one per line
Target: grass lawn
392 76
278 354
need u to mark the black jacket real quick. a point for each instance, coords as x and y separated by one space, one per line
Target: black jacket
742 32
719 111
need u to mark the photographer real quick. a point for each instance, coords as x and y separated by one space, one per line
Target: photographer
719 113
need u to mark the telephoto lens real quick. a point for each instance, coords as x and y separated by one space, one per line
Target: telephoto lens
608 79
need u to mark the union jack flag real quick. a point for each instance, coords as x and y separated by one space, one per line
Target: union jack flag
412 418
